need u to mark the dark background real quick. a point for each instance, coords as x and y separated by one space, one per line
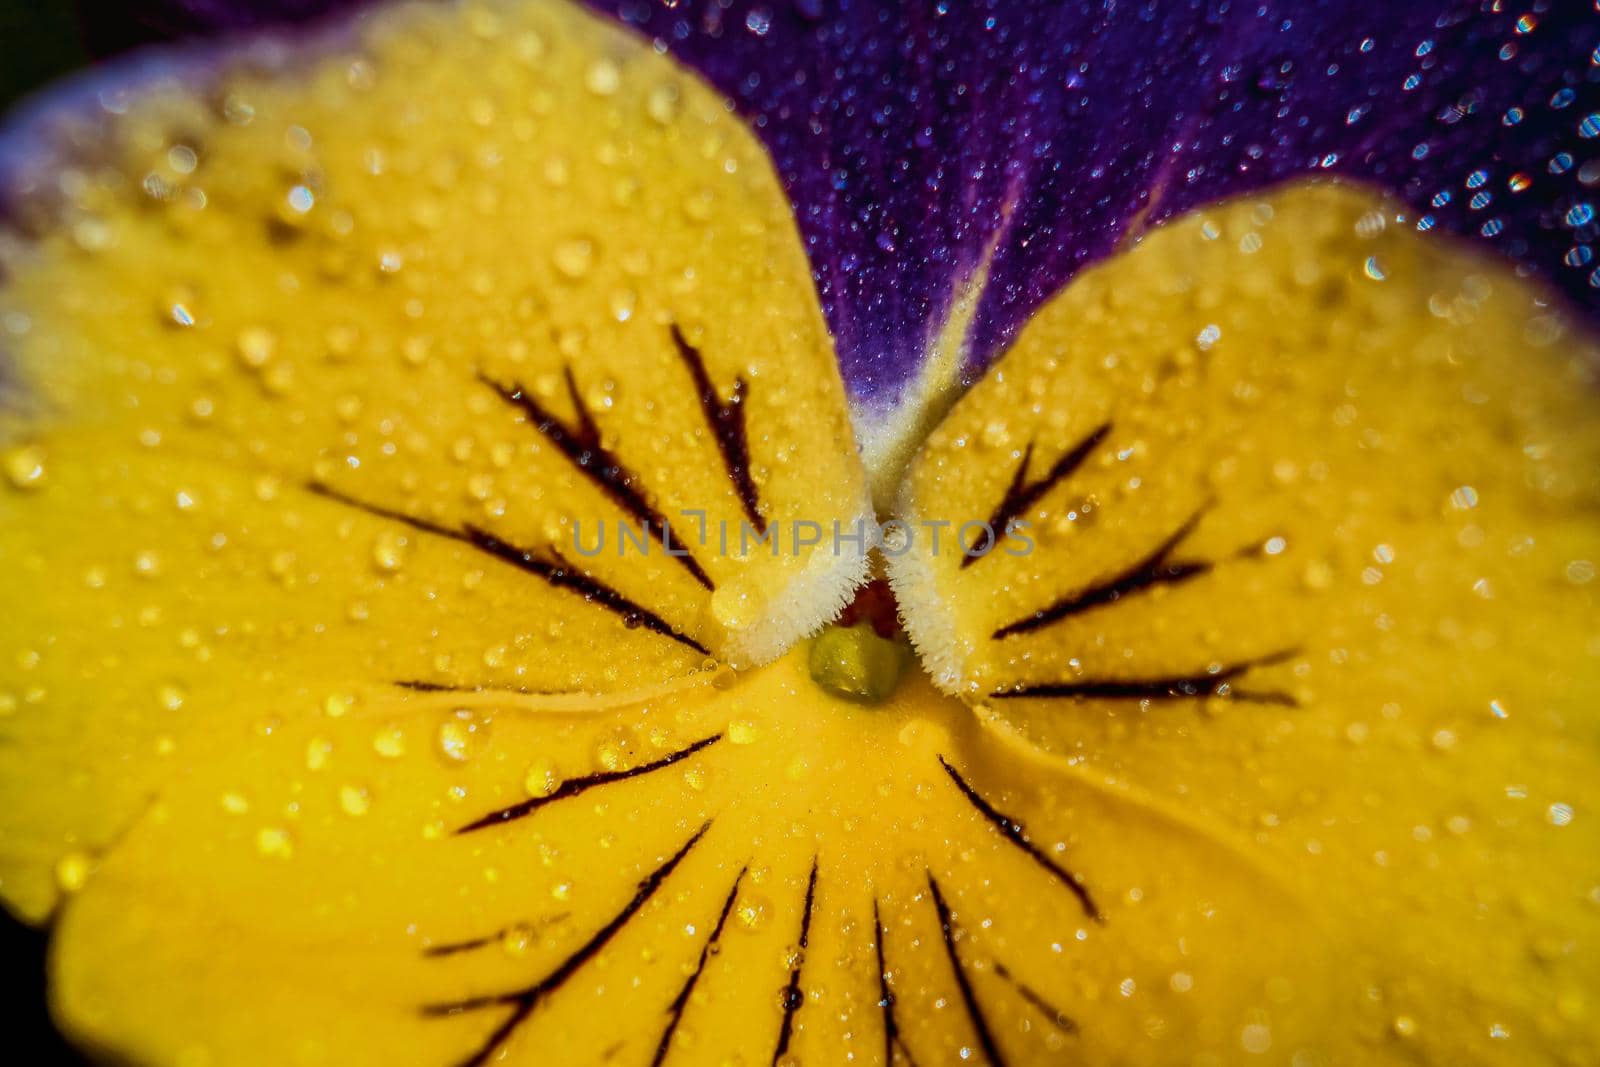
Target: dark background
39 41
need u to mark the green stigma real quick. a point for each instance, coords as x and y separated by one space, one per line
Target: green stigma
854 663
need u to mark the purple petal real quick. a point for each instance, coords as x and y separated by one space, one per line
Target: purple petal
915 138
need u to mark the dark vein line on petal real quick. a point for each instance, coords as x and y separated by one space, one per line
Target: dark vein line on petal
905 1052
891 1025
891 1029
1155 569
1182 687
1058 1018
581 445
417 685
727 426
1263 696
1017 834
573 786
523 1001
454 948
555 572
681 1001
1022 494
968 997
793 996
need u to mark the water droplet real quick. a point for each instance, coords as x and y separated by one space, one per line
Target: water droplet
517 939
574 257
622 302
256 346
389 550
24 466
354 799
462 735
1256 1038
662 104
73 870
274 842
389 742
737 605
742 732
698 206
995 434
751 911
603 77
1317 576
542 778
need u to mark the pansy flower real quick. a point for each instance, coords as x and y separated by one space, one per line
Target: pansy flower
843 533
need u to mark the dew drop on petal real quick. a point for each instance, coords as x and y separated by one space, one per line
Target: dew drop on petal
354 799
72 871
274 842
574 257
389 742
24 466
737 605
542 778
462 735
517 939
751 911
663 103
256 346
389 551
603 77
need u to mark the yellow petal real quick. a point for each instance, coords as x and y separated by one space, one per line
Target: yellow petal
719 874
320 411
1309 548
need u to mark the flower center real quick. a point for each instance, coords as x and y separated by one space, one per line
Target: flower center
861 655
